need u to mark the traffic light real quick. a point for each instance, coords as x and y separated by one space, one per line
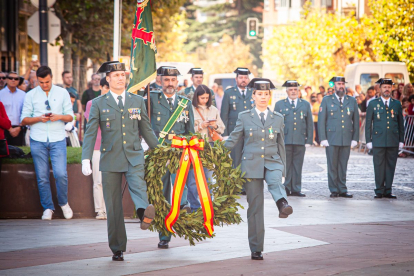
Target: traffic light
252 28
331 84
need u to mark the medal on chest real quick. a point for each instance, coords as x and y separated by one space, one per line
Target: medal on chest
183 117
378 108
234 106
301 114
392 113
271 135
348 112
251 132
252 102
135 113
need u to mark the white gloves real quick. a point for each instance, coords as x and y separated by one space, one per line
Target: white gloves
69 127
354 144
86 167
324 143
307 145
369 145
400 146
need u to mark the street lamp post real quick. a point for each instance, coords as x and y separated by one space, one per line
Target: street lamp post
44 32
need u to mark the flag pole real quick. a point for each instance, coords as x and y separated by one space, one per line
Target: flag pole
149 101
116 29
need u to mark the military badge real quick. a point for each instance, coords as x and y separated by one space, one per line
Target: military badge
135 113
271 135
348 112
378 115
234 106
301 114
108 125
392 113
183 117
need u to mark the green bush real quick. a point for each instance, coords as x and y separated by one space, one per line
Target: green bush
73 156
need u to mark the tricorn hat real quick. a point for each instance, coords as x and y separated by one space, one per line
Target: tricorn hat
261 84
291 83
338 79
384 81
196 71
111 66
168 71
242 71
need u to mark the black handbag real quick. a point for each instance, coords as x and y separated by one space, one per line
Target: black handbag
4 149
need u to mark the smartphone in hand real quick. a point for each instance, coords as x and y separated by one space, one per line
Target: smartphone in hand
48 114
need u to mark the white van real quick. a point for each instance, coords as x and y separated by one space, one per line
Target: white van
367 73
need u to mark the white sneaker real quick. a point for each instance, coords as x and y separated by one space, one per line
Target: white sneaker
47 214
101 215
67 211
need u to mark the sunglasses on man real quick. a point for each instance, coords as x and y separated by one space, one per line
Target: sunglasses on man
3 78
15 79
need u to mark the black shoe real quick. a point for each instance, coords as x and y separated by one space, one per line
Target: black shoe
334 194
346 195
284 208
118 256
378 196
163 244
298 194
287 191
186 208
390 196
257 256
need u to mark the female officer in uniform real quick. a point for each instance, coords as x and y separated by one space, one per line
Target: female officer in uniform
263 158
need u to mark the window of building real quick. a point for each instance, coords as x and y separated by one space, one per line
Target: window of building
396 77
326 3
285 3
368 80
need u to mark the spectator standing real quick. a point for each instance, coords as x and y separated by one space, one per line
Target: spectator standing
410 108
98 197
405 105
68 81
13 99
322 89
358 89
185 83
407 91
3 78
218 94
370 96
5 124
23 84
46 109
206 116
330 91
400 90
92 92
315 112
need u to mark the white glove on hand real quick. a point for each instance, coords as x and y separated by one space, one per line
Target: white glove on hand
369 145
324 143
400 146
307 145
86 167
354 144
69 127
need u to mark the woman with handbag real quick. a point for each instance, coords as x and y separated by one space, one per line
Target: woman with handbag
4 125
208 123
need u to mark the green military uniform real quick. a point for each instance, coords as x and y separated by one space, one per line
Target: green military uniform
298 132
161 112
233 103
155 86
263 158
339 125
121 153
385 129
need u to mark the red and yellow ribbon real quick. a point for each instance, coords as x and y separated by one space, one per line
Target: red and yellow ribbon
190 153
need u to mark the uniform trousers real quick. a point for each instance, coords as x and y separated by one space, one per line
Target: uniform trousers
255 199
337 159
98 198
294 163
385 160
112 191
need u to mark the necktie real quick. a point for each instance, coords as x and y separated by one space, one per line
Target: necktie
170 102
386 104
243 94
340 100
120 104
293 104
262 118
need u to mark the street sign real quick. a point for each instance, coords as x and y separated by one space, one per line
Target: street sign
36 3
33 27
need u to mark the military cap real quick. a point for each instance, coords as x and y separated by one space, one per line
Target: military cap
242 71
291 83
111 66
168 71
384 81
261 84
196 71
338 79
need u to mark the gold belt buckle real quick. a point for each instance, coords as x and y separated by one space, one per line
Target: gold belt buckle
170 136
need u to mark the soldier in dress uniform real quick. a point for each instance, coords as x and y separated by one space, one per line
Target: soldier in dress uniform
384 133
171 115
298 135
338 126
122 118
235 100
261 132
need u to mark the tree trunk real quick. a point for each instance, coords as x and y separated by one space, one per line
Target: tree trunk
83 83
95 66
67 52
75 72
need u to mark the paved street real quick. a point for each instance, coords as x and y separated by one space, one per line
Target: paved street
324 236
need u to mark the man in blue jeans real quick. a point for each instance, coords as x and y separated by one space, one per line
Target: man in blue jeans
46 109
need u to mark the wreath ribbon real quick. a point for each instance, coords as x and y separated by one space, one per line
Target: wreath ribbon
190 154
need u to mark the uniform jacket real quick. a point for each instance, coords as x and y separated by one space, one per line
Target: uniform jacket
298 122
260 150
339 125
232 104
121 141
161 113
388 129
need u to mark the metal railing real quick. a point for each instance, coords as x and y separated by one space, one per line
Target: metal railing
409 134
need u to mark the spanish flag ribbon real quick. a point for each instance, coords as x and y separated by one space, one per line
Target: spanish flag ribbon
190 153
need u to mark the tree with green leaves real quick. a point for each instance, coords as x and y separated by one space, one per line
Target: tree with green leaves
393 25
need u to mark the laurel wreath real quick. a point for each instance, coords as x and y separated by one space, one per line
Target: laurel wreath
224 191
